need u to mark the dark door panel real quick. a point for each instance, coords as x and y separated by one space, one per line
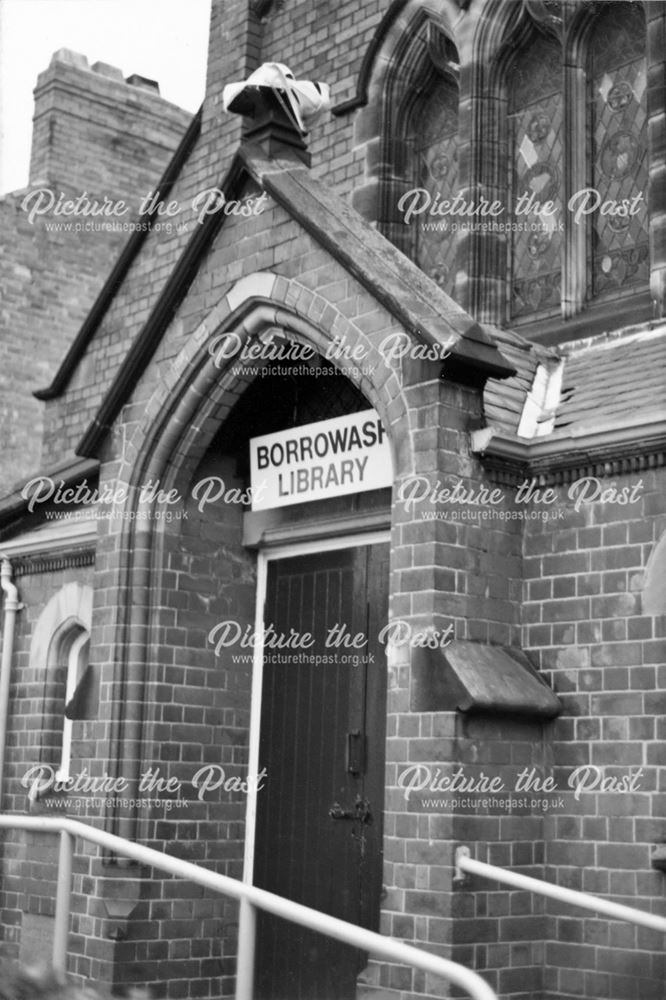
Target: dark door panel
322 744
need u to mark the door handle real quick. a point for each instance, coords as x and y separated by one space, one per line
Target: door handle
360 812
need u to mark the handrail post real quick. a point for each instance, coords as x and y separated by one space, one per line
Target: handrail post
247 936
461 853
63 902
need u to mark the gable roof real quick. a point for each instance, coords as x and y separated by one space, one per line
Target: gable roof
393 280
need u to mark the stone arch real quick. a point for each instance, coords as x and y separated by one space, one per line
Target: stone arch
503 26
180 420
502 30
255 302
71 605
580 28
403 60
378 57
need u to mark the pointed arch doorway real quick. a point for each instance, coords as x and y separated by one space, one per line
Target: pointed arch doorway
314 828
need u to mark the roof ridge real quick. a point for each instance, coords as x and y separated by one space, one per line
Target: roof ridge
637 333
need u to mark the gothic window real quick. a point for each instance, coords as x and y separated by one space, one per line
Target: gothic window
578 164
68 684
617 111
557 126
73 657
536 126
436 157
436 149
64 690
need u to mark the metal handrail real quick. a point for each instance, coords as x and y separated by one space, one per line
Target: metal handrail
466 864
251 898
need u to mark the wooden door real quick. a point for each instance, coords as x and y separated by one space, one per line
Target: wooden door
319 816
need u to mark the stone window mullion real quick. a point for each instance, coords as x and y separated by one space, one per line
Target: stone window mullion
574 271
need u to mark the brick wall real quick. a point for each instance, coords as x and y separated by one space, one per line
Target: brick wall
199 716
29 860
477 923
585 626
97 135
476 587
94 131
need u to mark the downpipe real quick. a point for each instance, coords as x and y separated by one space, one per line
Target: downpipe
11 606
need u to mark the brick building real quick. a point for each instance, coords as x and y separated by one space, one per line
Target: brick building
94 134
466 263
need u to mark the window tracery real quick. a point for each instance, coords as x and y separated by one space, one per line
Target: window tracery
436 155
547 109
535 191
617 84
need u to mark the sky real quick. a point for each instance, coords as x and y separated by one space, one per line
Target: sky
164 40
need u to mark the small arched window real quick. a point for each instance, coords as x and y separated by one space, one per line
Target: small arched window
66 686
72 657
59 654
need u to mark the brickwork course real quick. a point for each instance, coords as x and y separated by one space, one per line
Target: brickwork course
546 568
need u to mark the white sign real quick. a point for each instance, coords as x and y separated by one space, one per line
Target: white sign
331 458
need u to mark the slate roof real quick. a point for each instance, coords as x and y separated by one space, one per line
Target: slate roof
609 380
613 378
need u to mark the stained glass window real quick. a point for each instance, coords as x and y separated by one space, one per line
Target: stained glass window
436 149
617 83
535 191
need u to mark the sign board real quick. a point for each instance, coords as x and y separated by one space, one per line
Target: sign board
330 458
